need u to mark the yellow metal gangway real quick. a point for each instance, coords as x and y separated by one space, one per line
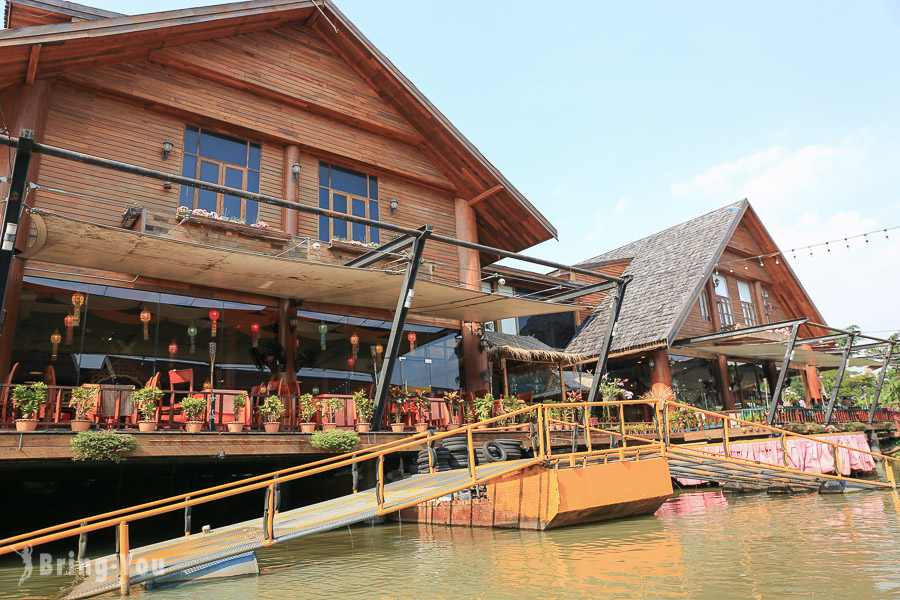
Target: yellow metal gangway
135 565
559 441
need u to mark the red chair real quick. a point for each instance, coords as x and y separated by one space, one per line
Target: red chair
7 389
49 412
173 409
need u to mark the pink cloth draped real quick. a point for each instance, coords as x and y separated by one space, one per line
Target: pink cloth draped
803 454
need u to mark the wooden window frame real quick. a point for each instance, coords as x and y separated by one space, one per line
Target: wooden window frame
704 307
367 202
222 166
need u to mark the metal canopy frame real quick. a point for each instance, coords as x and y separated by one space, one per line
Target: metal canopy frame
396 245
600 370
723 335
13 214
845 356
594 288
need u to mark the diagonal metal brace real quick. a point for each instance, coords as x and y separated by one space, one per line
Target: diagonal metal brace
595 288
385 250
404 302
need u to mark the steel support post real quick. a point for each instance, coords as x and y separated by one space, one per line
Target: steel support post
13 213
837 382
404 302
884 368
600 371
785 363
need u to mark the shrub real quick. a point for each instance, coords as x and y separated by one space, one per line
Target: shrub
308 408
365 406
272 408
146 399
335 440
28 399
82 401
855 427
484 406
193 408
329 408
101 445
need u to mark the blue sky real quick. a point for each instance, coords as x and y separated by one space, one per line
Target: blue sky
620 119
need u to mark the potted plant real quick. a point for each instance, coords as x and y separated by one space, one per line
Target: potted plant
329 408
398 399
483 408
308 409
237 424
193 407
509 404
422 403
147 400
81 400
272 408
452 400
365 408
28 400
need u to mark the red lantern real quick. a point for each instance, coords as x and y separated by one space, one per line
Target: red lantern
145 319
351 362
173 349
213 316
254 330
70 323
411 336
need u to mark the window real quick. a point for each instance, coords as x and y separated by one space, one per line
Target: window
704 306
723 304
747 308
223 160
510 325
351 192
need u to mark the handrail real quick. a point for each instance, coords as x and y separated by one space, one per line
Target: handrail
773 429
240 487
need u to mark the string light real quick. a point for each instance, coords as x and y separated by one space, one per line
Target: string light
848 243
760 262
886 236
810 250
827 247
776 260
867 239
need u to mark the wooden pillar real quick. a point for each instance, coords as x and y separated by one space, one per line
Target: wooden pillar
505 377
660 374
562 383
725 383
32 104
811 385
760 304
474 357
291 189
713 305
287 339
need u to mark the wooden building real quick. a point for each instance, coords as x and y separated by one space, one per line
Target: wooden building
718 272
282 97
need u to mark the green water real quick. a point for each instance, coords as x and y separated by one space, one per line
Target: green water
700 545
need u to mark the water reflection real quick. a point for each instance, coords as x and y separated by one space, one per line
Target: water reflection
699 545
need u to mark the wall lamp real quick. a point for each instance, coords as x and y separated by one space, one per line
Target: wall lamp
295 171
167 147
393 205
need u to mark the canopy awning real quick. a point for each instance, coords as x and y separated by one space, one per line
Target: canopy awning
776 352
69 241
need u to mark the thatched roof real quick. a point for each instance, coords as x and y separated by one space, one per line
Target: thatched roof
525 348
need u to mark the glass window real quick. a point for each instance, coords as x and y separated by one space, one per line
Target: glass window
346 191
744 291
225 161
704 306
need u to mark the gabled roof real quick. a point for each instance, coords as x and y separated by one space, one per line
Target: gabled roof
27 13
504 216
669 268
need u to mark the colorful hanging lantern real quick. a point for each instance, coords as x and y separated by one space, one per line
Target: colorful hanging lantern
379 349
213 316
323 329
192 333
77 301
145 319
70 323
351 362
173 349
315 390
55 338
254 331
354 344
411 336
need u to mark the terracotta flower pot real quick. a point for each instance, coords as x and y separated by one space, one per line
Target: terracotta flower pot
26 424
82 425
329 426
272 427
398 427
452 426
147 426
235 427
307 427
363 427
193 426
420 427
